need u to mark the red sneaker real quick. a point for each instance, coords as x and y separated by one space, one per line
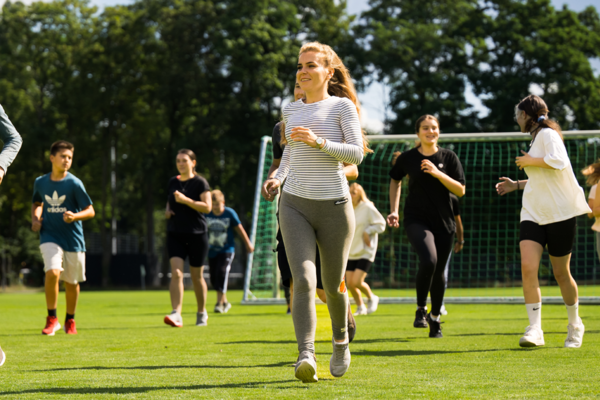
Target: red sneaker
52 326
70 327
174 320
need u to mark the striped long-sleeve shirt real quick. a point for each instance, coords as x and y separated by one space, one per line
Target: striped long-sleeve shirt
318 174
11 138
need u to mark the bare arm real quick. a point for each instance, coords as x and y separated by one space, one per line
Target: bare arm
591 205
527 161
272 171
596 208
204 205
449 183
83 215
395 191
240 231
168 212
460 234
351 171
36 216
508 185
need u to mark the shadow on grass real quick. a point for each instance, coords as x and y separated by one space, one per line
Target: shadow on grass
146 389
356 341
409 353
155 367
509 334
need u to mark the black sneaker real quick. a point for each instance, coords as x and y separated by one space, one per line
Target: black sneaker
289 311
420 321
351 324
435 328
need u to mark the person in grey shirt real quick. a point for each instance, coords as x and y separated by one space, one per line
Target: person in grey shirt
12 143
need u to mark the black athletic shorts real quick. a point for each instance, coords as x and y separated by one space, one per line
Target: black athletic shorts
559 236
219 267
284 266
192 245
363 264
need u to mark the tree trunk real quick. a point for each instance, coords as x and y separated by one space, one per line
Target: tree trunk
152 267
106 250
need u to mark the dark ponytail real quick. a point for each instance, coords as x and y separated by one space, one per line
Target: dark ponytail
537 110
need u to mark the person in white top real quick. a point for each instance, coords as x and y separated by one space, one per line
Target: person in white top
552 199
322 133
369 223
593 177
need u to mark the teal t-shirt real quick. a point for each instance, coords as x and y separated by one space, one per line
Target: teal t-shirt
58 197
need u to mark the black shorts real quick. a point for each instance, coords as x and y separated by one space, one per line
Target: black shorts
559 236
219 267
192 245
284 266
363 264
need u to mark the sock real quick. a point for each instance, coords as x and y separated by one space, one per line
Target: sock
52 313
69 316
573 313
435 318
174 312
534 312
422 308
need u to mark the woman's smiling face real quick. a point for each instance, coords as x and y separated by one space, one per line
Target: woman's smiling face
429 132
312 74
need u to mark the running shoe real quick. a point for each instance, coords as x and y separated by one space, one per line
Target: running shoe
533 337
306 367
361 310
575 335
218 308
226 307
289 311
69 327
2 357
174 319
340 359
443 310
373 303
351 324
202 318
435 328
52 325
420 321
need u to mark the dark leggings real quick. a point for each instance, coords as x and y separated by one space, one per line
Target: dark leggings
433 250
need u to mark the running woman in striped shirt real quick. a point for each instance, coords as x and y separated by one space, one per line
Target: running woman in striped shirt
323 131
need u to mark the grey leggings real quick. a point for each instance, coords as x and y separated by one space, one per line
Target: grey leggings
329 223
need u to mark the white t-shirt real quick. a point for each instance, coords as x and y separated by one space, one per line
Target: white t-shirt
551 195
592 196
368 219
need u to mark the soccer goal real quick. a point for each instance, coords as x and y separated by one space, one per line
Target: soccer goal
487 270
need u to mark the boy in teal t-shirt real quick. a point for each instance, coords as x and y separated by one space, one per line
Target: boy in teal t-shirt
60 203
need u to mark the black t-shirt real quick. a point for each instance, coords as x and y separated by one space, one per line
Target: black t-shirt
455 204
276 140
186 219
428 200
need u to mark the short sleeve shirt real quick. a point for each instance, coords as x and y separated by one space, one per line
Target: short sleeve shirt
58 197
186 219
428 200
220 232
276 141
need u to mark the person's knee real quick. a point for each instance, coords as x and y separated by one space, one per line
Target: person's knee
303 285
177 274
562 275
53 274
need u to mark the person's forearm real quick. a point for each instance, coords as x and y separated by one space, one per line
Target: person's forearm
452 185
351 172
460 234
84 215
199 206
242 233
521 184
36 211
539 162
395 188
12 141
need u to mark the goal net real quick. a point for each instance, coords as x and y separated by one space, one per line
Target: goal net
488 268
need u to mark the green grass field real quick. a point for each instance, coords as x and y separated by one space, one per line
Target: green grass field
123 350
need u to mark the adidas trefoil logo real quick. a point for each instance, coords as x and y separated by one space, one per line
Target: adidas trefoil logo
55 202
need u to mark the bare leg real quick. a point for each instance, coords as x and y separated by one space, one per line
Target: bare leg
72 294
321 295
350 281
531 254
176 286
360 284
200 288
51 288
562 273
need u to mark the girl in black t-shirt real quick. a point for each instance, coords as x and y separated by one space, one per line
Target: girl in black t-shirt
428 218
187 234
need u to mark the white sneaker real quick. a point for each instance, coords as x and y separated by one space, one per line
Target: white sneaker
534 336
361 310
2 357
218 308
340 359
202 318
574 337
226 307
373 303
306 368
443 310
174 319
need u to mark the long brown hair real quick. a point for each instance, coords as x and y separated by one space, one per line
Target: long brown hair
340 84
361 192
536 108
592 172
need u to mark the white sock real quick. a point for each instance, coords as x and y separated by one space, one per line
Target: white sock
435 318
534 312
573 313
424 308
